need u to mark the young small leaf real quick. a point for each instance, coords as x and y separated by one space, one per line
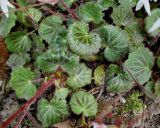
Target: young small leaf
79 77
21 82
50 27
105 4
116 42
122 15
18 42
81 41
139 65
99 75
61 93
91 11
83 103
51 112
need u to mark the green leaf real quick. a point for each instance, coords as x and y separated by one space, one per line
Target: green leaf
122 15
117 81
139 65
150 20
81 41
83 103
33 13
80 76
116 42
129 3
61 93
91 11
7 24
21 82
17 60
51 112
157 88
50 27
18 42
105 4
99 75
150 87
135 33
50 60
38 46
68 3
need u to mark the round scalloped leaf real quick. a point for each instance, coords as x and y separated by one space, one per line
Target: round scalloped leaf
116 80
83 103
119 83
150 20
50 60
50 27
135 33
18 42
51 112
139 65
7 24
105 4
81 41
21 82
91 11
130 3
33 13
18 59
116 42
99 75
122 15
80 76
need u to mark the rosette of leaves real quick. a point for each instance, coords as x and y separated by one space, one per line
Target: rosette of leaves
116 42
18 59
122 15
79 76
150 20
50 60
21 82
18 42
7 24
29 17
52 112
117 81
135 33
50 27
83 103
81 41
105 4
139 64
91 11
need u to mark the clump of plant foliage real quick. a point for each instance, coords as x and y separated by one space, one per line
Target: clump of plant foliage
53 44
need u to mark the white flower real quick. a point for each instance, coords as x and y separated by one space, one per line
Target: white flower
155 26
4 6
146 5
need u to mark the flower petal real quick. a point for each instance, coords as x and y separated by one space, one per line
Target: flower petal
147 6
155 26
139 5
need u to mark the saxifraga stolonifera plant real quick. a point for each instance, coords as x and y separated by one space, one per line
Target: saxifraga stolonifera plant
47 47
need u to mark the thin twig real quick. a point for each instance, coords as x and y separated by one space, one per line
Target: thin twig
32 119
73 14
